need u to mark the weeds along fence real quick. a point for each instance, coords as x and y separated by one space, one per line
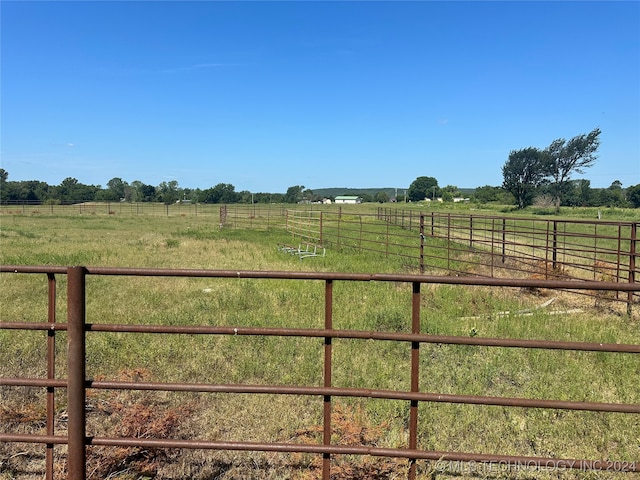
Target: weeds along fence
463 244
77 385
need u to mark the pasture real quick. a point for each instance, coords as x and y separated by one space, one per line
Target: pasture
197 242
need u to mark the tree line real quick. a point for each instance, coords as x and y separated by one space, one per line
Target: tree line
72 191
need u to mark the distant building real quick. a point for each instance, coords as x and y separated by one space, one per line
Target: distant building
348 199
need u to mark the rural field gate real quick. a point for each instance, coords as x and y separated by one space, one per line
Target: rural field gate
77 384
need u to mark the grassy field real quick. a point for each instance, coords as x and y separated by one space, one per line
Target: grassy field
197 242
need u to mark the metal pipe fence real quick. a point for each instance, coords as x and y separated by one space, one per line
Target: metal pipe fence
468 244
129 209
77 385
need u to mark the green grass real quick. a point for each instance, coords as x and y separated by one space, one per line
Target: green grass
198 243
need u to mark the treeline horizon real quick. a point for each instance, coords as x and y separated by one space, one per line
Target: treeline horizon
70 190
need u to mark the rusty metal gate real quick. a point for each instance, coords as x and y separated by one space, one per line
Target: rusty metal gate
77 384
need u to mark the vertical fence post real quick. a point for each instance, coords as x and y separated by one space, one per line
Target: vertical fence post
51 372
504 239
321 236
328 325
76 371
415 377
448 241
471 232
632 265
493 229
555 246
386 243
421 243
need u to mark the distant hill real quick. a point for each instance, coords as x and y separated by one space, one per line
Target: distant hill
391 191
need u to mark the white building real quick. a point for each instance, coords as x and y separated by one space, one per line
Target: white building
348 199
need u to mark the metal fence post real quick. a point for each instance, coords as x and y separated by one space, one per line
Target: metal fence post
504 239
76 371
415 376
555 246
328 325
421 243
51 371
632 265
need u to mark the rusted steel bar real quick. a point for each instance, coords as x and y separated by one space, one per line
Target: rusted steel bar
336 392
531 462
632 265
51 372
447 280
32 269
33 382
32 326
354 334
372 393
422 237
328 325
76 287
500 460
415 375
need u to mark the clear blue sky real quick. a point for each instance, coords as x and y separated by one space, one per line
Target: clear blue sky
269 95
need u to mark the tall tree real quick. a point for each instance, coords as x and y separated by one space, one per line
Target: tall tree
168 192
294 194
523 173
117 187
423 187
563 157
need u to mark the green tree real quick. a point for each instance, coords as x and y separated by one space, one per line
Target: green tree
580 194
294 194
523 174
423 187
633 195
168 192
487 193
4 195
71 190
562 158
449 192
117 186
221 193
381 197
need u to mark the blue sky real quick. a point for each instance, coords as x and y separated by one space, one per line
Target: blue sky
266 95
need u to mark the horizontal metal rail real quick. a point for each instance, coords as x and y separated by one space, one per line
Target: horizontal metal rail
350 334
538 463
361 277
335 392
